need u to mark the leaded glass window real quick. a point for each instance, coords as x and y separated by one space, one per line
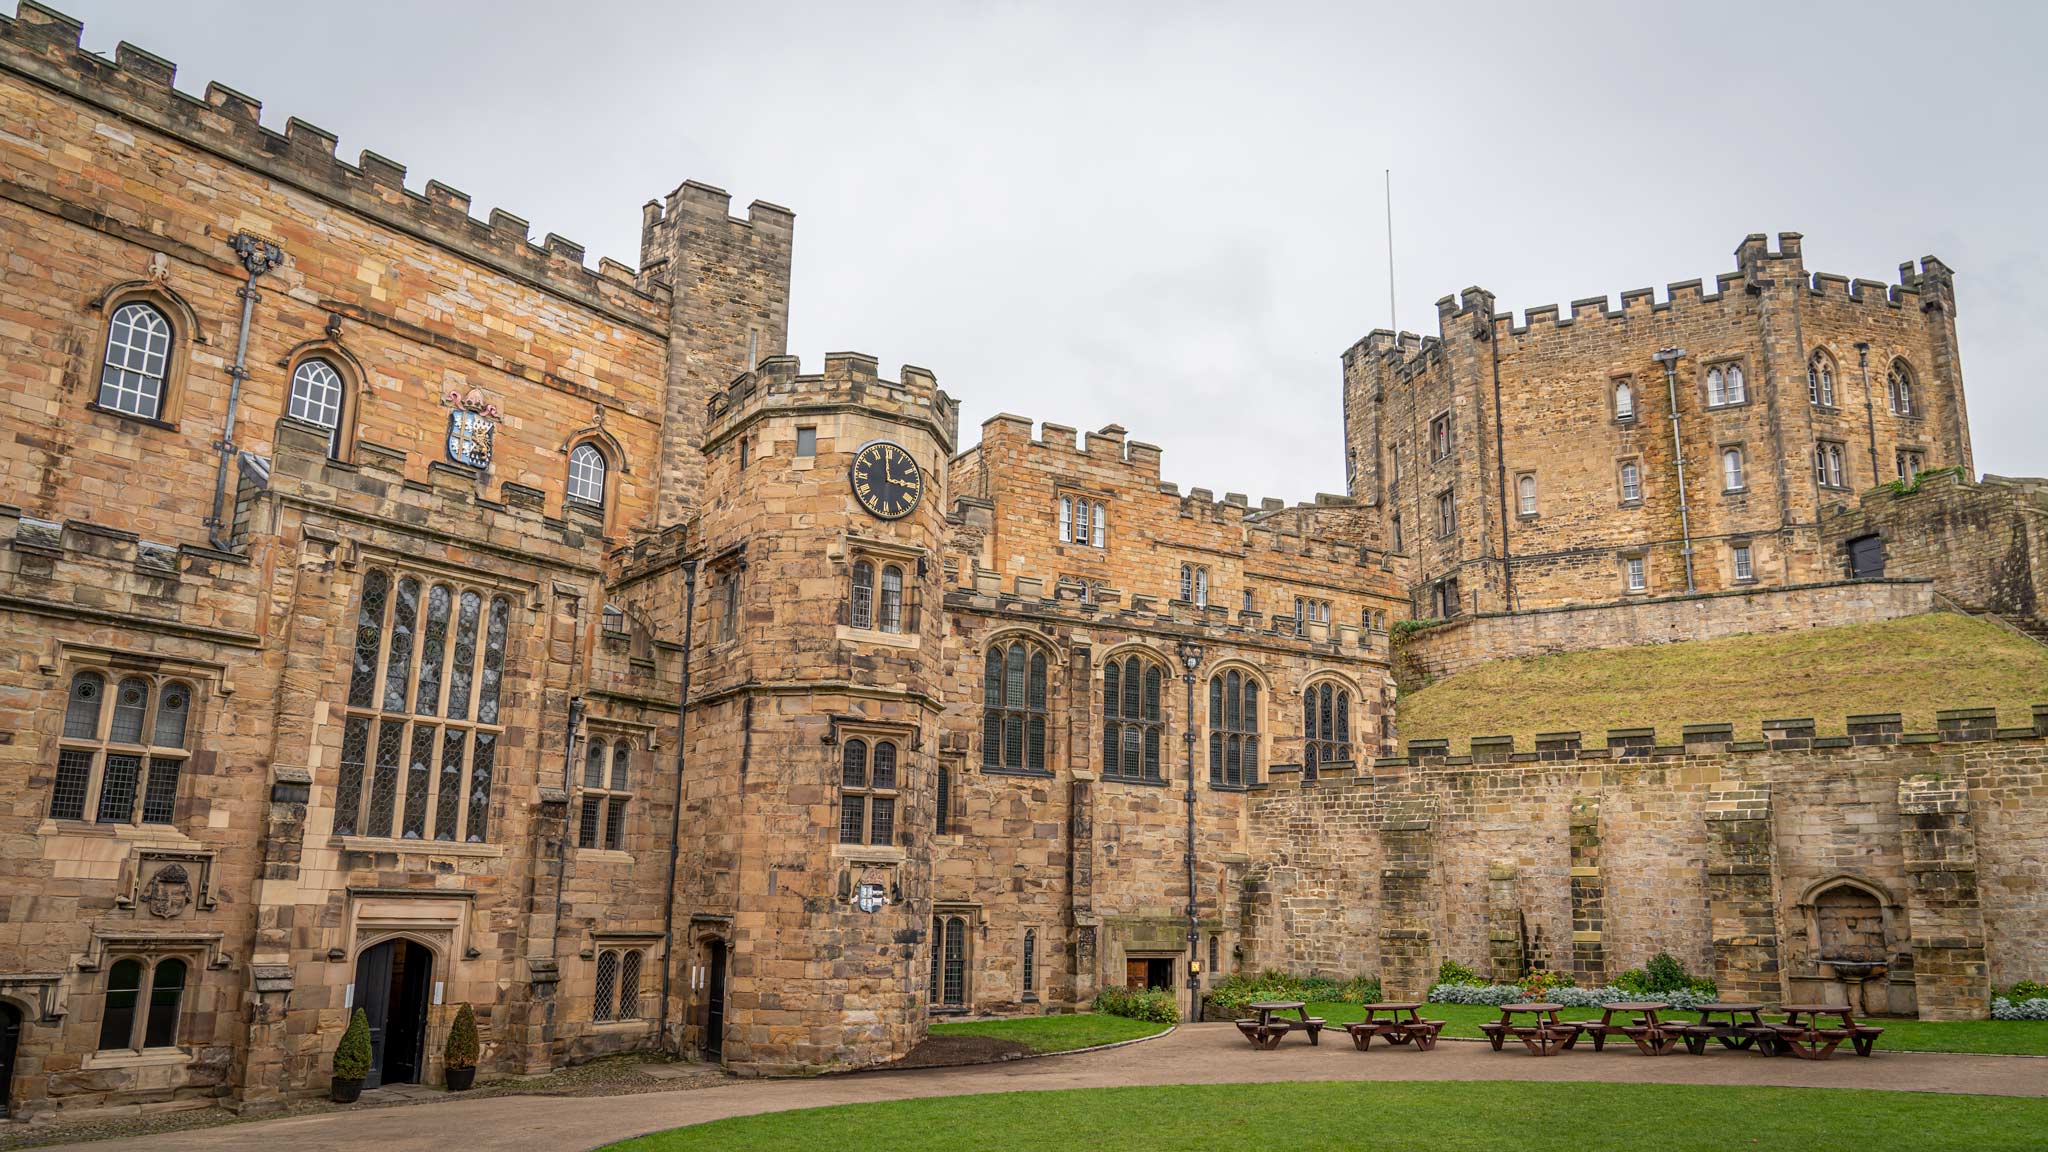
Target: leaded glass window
867 791
1326 727
121 764
1233 729
1013 724
1132 727
606 790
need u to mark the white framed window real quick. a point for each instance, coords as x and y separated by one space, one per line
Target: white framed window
1082 521
1101 525
587 475
607 787
863 596
1624 400
137 361
1631 482
1638 577
1731 470
121 765
1744 569
317 399
1066 518
1525 494
1725 385
1820 379
889 617
1898 382
1194 585
1828 465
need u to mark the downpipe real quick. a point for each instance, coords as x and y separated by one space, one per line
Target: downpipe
1669 358
258 257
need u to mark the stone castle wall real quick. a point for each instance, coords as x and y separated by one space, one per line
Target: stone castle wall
1454 646
1983 543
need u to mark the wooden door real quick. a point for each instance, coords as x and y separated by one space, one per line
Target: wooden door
373 996
405 1029
1135 972
1866 557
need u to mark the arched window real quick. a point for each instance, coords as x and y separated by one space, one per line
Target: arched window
317 399
1132 729
891 615
1233 729
137 361
863 594
607 786
1717 388
1525 495
143 1003
867 792
1013 719
1736 392
1731 469
108 760
587 469
1624 401
1899 386
428 658
949 962
1325 726
1820 379
615 994
1030 961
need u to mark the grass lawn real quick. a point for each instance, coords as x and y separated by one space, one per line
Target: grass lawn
1437 1116
1055 1033
2013 1037
1914 666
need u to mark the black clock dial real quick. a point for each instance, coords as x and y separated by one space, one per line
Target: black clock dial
886 480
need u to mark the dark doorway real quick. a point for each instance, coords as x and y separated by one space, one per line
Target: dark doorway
394 982
10 1039
714 999
1866 557
1142 972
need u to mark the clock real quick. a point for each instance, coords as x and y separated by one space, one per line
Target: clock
886 480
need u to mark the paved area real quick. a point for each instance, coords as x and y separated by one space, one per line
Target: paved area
1197 1054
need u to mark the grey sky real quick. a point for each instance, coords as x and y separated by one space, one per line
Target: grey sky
1170 216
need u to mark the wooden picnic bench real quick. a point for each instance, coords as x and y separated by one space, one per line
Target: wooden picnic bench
1268 1028
1546 1037
1652 1036
1396 1024
1733 1032
1809 1040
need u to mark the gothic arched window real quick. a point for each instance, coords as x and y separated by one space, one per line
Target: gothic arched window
1820 379
317 398
1326 727
1899 387
1233 729
1132 728
587 472
1013 718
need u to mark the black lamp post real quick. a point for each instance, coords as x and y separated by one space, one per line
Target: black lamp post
1191 659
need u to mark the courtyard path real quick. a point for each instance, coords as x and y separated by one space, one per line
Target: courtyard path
1197 1054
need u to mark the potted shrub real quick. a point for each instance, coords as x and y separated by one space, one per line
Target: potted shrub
458 1058
351 1060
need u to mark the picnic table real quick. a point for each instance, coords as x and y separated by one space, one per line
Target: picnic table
1397 1023
1733 1032
1652 1036
1546 1037
1810 1039
1268 1028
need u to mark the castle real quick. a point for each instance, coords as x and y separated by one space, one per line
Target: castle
405 614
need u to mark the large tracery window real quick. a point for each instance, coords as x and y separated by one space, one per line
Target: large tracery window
121 765
1233 729
1132 729
137 361
1013 718
419 746
1325 726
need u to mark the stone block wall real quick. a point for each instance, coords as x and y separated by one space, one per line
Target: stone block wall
1984 544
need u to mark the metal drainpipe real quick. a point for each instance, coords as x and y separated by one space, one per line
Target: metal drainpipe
568 815
1869 410
1500 460
258 257
1190 656
1669 358
675 835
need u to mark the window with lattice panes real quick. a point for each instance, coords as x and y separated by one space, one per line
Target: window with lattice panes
868 783
1233 729
123 748
949 963
1326 727
606 790
616 992
1030 963
421 728
1132 727
1014 717
137 361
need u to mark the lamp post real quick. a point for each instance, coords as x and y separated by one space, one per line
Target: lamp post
1191 659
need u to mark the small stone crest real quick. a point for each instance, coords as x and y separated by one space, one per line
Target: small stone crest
168 893
472 425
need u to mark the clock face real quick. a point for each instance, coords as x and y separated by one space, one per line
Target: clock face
886 480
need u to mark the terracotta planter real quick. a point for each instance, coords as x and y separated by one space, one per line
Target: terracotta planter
459 1079
344 1091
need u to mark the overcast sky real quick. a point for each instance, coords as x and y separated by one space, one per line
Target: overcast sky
1170 217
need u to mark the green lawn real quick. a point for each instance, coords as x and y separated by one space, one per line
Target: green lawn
1912 666
1055 1033
1439 1117
2015 1037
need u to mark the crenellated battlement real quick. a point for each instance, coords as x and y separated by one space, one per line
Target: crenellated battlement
44 45
850 379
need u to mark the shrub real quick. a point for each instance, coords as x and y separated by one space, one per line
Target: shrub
1230 995
2006 1008
461 1051
1493 995
1452 972
2026 990
352 1058
1540 985
1153 1004
1666 973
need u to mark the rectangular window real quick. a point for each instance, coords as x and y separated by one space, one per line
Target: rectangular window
867 791
743 453
729 603
1066 518
1743 570
807 441
1201 587
1525 494
1446 513
1440 437
1101 522
1248 602
1638 578
122 748
1631 483
1080 521
606 788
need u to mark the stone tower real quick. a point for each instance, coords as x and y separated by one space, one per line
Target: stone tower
809 805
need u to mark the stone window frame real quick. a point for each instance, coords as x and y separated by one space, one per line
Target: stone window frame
1328 722
1251 731
1622 465
1194 585
801 451
1446 601
477 786
1890 911
1080 516
1741 467
100 747
999 716
1028 963
1447 513
1618 385
1901 383
341 437
946 801
946 919
1443 437
881 556
151 960
1149 724
1635 561
1831 466
1741 548
1526 507
604 792
871 792
727 574
184 332
630 958
1823 379
1396 537
1309 610
1901 453
588 465
1723 366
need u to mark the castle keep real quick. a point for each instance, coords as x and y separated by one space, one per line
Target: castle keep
402 614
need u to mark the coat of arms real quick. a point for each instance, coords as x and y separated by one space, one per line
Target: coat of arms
168 891
471 422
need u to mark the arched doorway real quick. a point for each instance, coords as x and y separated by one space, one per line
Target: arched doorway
714 999
10 1039
394 983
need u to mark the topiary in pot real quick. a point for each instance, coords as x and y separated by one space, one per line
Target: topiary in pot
351 1060
458 1058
